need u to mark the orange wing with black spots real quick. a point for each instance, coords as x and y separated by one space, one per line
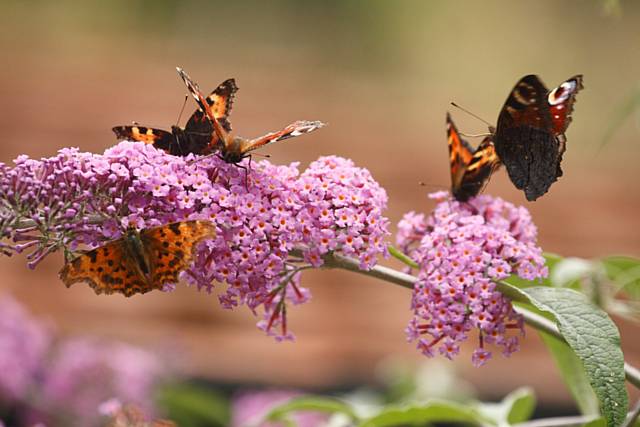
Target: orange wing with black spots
219 135
470 169
107 269
157 137
170 248
220 102
460 152
141 261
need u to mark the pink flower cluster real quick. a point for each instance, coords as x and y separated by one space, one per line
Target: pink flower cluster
64 381
270 226
462 250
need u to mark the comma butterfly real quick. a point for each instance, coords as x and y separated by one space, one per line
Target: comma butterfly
140 261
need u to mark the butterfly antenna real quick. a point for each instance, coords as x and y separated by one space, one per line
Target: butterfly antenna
184 104
475 135
471 114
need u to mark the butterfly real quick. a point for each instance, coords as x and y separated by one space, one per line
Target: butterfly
529 137
231 148
470 169
140 261
196 137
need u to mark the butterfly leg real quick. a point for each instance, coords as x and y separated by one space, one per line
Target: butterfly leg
246 175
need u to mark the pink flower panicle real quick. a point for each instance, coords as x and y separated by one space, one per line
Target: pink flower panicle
462 249
279 224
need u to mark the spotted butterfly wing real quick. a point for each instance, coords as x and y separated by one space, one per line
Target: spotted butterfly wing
140 261
158 137
470 169
219 135
529 138
220 102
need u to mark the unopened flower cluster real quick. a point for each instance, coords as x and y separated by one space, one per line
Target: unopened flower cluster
272 222
64 381
462 250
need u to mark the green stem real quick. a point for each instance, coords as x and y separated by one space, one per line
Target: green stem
399 255
407 281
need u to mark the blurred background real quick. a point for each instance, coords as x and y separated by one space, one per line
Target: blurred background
381 74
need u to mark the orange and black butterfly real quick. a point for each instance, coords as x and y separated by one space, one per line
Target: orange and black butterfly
140 261
196 137
470 169
231 148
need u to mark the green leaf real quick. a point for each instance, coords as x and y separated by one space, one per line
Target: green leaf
194 406
432 411
521 404
573 374
594 338
625 272
327 405
517 407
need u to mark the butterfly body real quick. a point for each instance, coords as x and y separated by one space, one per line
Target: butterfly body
529 137
198 135
470 169
137 251
140 261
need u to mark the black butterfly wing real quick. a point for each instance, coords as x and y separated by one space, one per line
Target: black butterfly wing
529 137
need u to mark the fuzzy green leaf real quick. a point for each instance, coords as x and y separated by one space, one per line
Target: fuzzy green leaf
595 339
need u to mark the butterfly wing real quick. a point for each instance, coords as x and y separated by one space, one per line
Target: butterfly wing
561 100
219 135
220 102
460 153
106 269
478 171
158 137
170 248
470 170
529 137
294 129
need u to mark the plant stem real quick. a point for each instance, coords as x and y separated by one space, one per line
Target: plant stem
632 416
407 281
